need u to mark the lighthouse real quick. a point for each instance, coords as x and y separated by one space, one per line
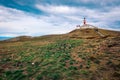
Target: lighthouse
84 21
86 25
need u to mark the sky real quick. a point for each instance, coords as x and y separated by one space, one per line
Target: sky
43 17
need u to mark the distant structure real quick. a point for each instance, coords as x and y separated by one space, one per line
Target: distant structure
85 25
77 26
84 21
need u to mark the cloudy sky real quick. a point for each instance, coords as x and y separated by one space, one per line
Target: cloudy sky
42 17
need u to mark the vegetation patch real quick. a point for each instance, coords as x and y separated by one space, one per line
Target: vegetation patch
42 62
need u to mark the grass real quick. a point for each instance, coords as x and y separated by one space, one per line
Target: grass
14 75
49 60
59 59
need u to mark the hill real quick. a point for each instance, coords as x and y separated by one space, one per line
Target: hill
90 33
87 33
82 54
20 38
4 38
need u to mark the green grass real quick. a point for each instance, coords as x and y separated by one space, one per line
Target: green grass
14 75
58 59
49 61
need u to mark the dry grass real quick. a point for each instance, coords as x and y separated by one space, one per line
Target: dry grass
78 55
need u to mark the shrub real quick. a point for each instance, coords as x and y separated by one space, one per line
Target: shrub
81 66
88 64
63 64
6 60
85 72
116 74
14 75
39 77
96 61
109 62
54 76
71 62
72 68
1 78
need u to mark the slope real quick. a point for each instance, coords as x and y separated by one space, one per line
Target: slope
92 33
86 56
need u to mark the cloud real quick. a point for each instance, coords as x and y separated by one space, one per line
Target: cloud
100 2
103 18
87 3
57 19
56 9
14 21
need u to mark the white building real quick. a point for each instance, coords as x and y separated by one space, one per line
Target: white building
84 26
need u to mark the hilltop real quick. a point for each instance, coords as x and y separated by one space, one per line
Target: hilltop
91 33
87 33
81 54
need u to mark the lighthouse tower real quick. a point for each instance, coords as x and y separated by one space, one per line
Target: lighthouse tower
85 25
84 21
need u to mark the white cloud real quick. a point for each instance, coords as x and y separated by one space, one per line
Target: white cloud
59 19
100 2
15 23
102 17
56 9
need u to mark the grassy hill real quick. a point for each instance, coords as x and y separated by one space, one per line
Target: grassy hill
81 54
92 33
